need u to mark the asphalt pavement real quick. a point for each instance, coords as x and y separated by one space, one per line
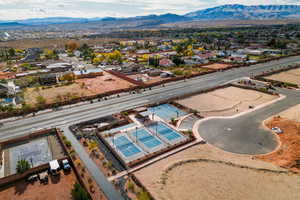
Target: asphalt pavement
245 134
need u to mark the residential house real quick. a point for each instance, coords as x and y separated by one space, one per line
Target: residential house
59 67
165 62
88 73
7 75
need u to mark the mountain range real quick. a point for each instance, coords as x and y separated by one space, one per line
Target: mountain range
225 12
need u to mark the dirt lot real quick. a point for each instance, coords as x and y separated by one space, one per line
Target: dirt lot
292 113
205 180
217 66
81 88
291 76
226 102
56 189
101 84
217 180
289 152
52 94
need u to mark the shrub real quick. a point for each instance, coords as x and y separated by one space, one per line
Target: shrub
130 186
78 192
68 143
178 72
125 113
22 166
143 195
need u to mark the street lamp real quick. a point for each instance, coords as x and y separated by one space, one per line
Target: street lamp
136 134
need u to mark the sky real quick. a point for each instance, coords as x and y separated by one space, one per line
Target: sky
24 9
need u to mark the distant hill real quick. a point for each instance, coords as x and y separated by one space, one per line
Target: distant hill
10 24
241 12
225 12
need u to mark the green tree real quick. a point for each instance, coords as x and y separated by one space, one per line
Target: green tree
177 60
78 192
154 61
11 52
22 166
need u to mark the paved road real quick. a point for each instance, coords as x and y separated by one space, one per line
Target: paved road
90 111
65 118
245 134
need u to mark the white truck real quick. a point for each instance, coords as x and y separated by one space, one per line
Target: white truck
54 167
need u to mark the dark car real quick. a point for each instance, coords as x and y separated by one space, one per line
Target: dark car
32 178
65 165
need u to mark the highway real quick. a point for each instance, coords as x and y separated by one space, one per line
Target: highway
67 117
99 109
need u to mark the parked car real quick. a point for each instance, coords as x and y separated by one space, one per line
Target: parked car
54 167
32 178
65 165
43 177
277 130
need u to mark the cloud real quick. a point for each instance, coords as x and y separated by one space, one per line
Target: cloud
20 9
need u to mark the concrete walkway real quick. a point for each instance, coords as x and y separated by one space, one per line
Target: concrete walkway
108 189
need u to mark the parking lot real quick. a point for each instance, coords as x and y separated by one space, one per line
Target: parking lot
57 188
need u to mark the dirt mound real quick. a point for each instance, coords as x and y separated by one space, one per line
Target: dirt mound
288 154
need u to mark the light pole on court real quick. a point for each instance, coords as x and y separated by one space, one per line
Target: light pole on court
136 134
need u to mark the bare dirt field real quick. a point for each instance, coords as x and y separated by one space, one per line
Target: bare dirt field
81 88
57 188
221 175
292 113
226 102
290 76
217 66
55 94
105 83
205 180
289 152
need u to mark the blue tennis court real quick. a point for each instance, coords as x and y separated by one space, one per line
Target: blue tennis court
165 111
124 145
146 138
165 131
